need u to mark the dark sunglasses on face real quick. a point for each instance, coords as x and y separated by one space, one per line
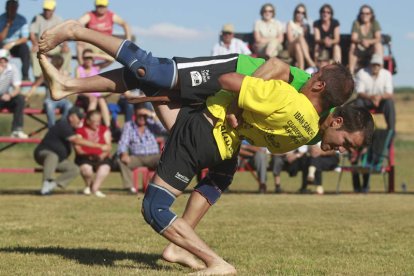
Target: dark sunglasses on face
271 11
365 13
300 12
327 12
227 33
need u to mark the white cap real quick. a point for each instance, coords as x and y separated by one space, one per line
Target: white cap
4 54
377 59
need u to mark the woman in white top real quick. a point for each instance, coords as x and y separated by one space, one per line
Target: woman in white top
297 30
268 33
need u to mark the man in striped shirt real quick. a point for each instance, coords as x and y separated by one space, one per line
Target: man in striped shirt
138 146
10 96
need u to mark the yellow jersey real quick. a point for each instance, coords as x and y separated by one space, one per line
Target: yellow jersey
275 116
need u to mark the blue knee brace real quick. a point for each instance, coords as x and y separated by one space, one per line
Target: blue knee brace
159 72
156 208
208 190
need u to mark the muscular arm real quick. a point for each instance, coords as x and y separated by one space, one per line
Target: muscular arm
121 22
274 69
231 82
84 19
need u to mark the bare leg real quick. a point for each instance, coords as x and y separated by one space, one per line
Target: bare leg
73 30
101 174
61 86
297 50
182 234
306 54
197 207
352 58
112 81
337 53
87 174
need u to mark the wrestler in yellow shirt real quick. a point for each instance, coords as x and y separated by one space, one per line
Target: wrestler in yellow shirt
275 115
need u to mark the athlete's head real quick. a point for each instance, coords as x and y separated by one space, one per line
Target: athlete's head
339 85
347 127
333 83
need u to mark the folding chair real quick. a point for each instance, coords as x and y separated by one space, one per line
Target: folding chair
372 161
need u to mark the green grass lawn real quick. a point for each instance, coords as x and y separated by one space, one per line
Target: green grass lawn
289 234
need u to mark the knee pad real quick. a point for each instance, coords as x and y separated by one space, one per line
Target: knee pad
221 180
131 82
156 208
159 72
208 190
212 186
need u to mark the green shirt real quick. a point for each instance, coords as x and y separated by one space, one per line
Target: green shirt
247 65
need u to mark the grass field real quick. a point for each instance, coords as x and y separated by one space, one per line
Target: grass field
288 234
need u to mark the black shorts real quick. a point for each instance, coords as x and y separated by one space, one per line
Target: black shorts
92 160
190 148
199 76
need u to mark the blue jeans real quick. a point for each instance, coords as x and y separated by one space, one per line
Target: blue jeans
50 106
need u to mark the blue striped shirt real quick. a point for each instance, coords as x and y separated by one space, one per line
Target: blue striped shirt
140 144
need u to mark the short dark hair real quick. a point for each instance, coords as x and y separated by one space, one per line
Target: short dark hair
339 85
139 106
356 118
90 113
87 50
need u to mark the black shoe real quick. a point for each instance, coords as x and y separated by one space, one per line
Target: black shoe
305 191
278 190
262 188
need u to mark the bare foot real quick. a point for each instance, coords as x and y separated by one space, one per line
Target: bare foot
175 254
53 78
222 268
58 34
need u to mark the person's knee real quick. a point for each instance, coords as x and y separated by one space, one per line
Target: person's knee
212 186
152 71
48 106
156 208
86 170
388 104
74 169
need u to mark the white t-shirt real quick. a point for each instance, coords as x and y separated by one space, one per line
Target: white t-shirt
237 46
9 78
270 29
366 83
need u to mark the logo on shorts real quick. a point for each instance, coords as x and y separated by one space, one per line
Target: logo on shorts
196 78
182 178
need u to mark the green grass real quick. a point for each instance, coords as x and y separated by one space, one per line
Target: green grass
259 234
288 234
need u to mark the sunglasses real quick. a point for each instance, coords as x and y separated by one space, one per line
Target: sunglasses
88 57
227 33
327 12
300 12
271 11
365 13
